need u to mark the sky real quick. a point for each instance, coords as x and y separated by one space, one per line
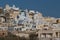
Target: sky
46 7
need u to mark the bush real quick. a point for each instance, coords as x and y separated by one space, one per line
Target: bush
33 36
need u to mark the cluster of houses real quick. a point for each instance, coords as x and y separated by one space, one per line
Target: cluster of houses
19 22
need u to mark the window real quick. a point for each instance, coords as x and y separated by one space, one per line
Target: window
3 33
17 16
20 28
45 28
57 34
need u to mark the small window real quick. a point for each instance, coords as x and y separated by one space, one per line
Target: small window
57 34
45 28
17 16
20 28
2 33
